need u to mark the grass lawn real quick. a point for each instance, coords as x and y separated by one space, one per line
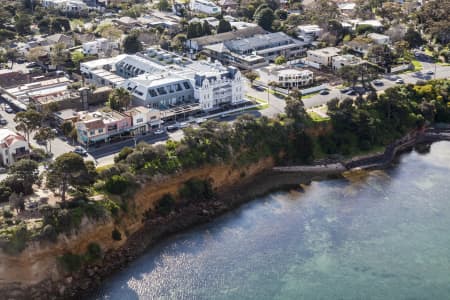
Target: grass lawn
417 65
316 117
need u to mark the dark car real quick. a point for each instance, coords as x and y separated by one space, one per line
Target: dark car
171 128
377 82
3 122
351 92
345 90
324 92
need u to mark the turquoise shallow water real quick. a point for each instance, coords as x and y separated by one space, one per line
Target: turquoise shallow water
382 235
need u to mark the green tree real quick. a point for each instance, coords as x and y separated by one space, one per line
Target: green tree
68 170
264 18
45 135
280 60
23 23
131 44
58 55
163 5
251 76
11 55
22 175
119 98
413 38
224 26
28 121
194 30
44 26
77 57
295 108
206 28
60 24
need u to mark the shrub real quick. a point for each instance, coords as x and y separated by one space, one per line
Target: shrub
123 154
71 262
17 242
116 235
5 192
93 253
197 189
117 185
7 214
49 233
166 204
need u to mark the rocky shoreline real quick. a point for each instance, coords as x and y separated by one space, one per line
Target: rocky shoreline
80 284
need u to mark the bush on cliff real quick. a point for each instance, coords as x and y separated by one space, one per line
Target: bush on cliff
197 190
71 262
116 235
16 241
93 253
117 185
165 205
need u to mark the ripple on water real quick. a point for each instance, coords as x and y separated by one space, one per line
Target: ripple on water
373 235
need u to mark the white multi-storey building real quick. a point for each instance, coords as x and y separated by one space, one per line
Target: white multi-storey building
65 5
286 77
218 87
205 6
101 45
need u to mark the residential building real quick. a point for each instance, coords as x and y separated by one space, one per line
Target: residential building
204 6
160 90
65 115
99 46
352 24
13 147
228 5
59 38
309 33
359 45
323 56
286 77
197 44
256 51
380 39
101 126
65 5
345 60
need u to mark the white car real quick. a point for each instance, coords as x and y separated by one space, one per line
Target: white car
399 81
81 151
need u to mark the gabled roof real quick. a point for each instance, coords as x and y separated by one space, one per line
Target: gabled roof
226 36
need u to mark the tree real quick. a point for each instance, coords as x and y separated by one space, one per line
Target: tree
194 30
109 31
119 98
163 5
60 24
23 23
77 57
224 26
17 202
45 135
413 38
66 127
349 74
22 175
179 41
251 76
264 18
280 60
11 55
381 55
68 170
28 121
44 26
131 44
295 109
58 55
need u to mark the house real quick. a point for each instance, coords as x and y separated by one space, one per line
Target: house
359 45
72 6
228 5
345 60
13 147
309 33
59 38
323 56
126 23
204 6
100 45
380 39
101 126
286 77
347 8
65 115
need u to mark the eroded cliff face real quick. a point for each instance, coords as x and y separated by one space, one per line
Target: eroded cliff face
38 262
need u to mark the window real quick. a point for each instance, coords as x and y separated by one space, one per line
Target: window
186 85
92 132
140 120
100 130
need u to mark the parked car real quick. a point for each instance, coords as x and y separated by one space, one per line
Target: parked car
9 110
3 170
171 128
32 65
377 82
351 92
345 90
259 88
399 81
159 131
81 151
429 72
183 125
324 92
3 122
